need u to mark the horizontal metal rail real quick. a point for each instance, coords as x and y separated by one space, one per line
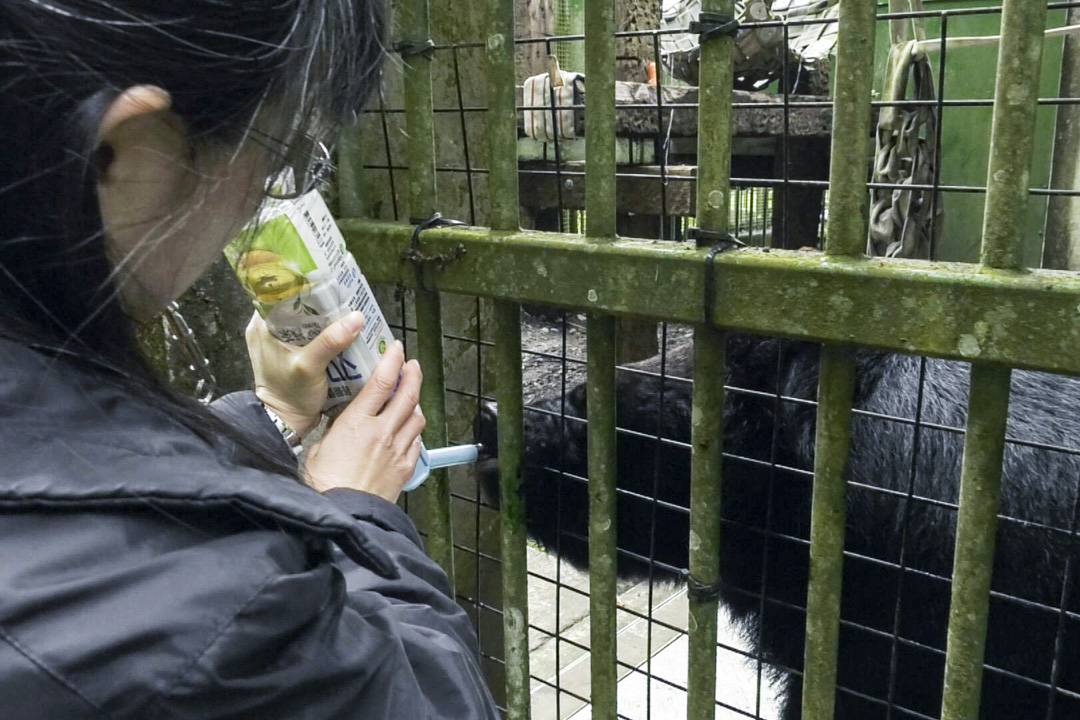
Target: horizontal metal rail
950 310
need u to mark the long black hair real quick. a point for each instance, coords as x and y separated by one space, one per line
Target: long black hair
225 63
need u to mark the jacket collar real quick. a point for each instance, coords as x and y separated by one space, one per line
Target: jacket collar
72 441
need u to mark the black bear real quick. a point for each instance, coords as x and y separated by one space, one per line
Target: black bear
901 518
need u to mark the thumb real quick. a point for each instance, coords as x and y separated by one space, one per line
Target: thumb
333 340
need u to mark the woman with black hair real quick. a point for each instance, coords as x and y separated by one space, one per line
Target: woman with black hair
159 559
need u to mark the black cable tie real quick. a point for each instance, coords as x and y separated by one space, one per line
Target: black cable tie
414 254
408 48
711 25
701 592
720 242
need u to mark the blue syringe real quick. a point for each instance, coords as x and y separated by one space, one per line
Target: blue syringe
440 458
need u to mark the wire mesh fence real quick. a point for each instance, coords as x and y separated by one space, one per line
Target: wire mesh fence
914 424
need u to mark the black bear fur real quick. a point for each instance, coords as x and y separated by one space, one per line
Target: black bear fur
1036 537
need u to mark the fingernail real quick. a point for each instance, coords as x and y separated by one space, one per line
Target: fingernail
353 322
399 346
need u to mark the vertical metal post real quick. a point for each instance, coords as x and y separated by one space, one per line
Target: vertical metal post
600 225
832 441
1012 132
602 519
849 167
845 236
507 365
419 122
350 175
976 524
1011 142
713 198
1062 245
503 189
705 467
502 117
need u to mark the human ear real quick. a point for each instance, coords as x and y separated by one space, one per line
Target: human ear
143 162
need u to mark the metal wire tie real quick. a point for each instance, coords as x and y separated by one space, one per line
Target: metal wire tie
408 48
414 254
711 25
700 591
721 242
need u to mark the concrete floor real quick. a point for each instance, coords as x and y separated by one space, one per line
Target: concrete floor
656 682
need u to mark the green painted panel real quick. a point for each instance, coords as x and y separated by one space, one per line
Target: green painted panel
965 131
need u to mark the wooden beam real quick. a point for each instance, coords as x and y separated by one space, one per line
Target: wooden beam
749 122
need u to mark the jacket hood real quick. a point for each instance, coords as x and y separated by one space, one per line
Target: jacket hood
71 439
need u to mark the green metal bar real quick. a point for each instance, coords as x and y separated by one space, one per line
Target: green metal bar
419 118
1061 250
503 190
705 466
600 118
976 524
950 310
602 523
600 225
713 195
507 366
832 442
429 337
1012 132
845 237
502 117
1011 142
419 122
714 125
848 196
350 174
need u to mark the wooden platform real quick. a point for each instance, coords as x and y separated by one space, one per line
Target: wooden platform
638 116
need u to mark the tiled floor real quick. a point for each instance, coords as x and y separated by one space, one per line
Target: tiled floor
737 676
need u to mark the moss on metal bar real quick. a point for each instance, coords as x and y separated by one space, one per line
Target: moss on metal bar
714 125
836 386
845 237
600 118
502 116
414 23
952 310
600 226
707 447
1011 142
854 77
350 163
1013 130
976 524
419 123
713 196
429 336
506 362
600 403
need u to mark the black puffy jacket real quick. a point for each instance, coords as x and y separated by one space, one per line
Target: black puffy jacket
144 574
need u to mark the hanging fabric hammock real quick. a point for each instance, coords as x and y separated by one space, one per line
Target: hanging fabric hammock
905 221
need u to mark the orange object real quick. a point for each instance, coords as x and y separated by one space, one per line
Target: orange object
652 74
